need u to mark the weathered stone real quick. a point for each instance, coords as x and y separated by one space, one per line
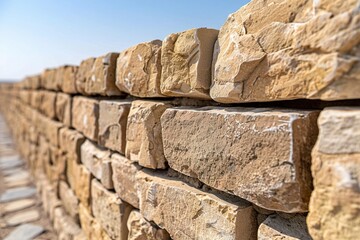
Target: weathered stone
125 184
22 217
188 213
47 103
51 131
64 225
70 142
288 50
186 60
261 155
102 76
276 228
17 193
143 134
334 211
69 79
85 114
63 108
139 228
83 185
84 74
69 200
98 161
48 79
18 205
138 70
110 211
112 124
25 232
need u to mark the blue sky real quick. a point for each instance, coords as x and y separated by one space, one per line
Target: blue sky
35 34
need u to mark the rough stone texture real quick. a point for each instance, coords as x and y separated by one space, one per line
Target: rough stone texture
186 60
64 225
277 228
261 155
112 124
48 79
17 205
47 103
70 142
84 74
69 73
138 70
110 211
334 211
51 130
102 76
124 178
139 228
188 213
25 232
63 108
83 185
85 115
69 200
98 161
285 49
143 134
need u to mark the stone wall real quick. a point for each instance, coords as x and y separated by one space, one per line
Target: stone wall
172 139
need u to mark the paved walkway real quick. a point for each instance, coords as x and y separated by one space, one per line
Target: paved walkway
21 213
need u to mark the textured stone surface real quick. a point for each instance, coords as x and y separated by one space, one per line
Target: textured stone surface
124 178
138 70
186 60
70 142
85 116
334 211
139 228
98 161
84 74
25 232
69 73
262 155
17 193
17 205
83 185
69 200
48 79
63 108
275 228
112 124
110 211
64 225
102 76
188 213
284 50
22 217
143 134
47 103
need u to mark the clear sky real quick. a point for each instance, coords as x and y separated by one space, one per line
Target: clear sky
35 34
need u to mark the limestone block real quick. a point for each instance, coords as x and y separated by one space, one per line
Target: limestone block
112 124
282 50
64 225
138 70
69 200
186 60
48 79
98 161
85 115
82 181
83 74
110 211
47 103
259 154
143 134
63 108
139 228
52 129
102 76
70 142
188 213
334 211
69 79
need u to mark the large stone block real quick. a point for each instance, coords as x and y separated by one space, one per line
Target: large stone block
82 184
138 70
52 130
85 116
64 225
124 178
69 73
102 76
69 200
334 211
188 213
70 142
140 228
98 161
110 211
63 108
186 60
112 124
283 50
47 103
84 74
261 155
48 79
143 134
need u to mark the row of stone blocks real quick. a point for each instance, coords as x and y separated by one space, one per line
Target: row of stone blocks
219 157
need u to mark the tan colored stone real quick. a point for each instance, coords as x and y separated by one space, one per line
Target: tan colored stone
83 185
112 124
69 200
83 74
47 103
334 211
124 178
48 79
278 228
22 217
17 205
110 211
138 70
288 50
102 76
51 131
63 108
186 60
188 213
64 225
143 134
139 228
69 79
98 161
85 115
259 154
70 142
